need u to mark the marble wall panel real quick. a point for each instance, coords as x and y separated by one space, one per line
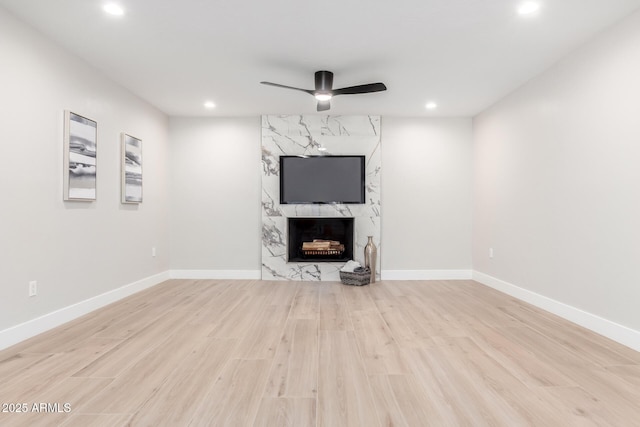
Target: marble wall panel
317 135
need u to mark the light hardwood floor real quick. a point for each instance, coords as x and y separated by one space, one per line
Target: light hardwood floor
254 353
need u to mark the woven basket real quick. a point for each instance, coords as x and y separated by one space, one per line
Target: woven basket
356 279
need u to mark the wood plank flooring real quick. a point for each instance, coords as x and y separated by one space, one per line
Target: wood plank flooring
258 353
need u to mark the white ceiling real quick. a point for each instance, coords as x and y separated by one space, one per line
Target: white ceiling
463 54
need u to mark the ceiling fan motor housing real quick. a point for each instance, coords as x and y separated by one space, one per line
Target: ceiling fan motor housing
324 81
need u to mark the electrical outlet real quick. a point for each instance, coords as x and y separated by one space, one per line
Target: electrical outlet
153 251
33 288
490 252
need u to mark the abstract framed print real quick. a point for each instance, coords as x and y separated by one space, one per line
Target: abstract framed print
131 169
80 157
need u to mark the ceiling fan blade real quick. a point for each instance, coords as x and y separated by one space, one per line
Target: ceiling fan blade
324 105
353 90
287 87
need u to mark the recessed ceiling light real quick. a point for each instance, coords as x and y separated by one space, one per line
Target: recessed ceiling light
209 104
322 148
528 7
113 9
431 106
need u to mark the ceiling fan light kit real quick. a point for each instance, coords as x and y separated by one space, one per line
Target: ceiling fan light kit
323 96
324 91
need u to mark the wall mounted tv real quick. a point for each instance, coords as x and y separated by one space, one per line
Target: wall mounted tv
322 179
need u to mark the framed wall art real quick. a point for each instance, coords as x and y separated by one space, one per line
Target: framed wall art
131 169
80 155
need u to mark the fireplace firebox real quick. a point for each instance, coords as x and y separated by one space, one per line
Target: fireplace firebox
320 239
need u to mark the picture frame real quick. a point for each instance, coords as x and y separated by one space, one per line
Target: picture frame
131 178
80 158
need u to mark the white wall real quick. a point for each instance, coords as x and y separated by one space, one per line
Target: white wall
426 194
215 194
556 181
74 250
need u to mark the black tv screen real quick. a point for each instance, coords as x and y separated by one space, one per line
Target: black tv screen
322 179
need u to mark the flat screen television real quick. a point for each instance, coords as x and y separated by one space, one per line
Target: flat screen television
322 179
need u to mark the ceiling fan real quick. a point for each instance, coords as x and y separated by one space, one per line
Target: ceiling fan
324 92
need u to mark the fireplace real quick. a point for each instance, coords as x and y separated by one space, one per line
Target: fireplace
320 239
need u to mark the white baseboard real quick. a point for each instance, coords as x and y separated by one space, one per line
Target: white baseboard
599 325
31 328
426 275
216 274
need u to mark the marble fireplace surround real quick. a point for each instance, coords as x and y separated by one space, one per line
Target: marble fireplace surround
308 135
